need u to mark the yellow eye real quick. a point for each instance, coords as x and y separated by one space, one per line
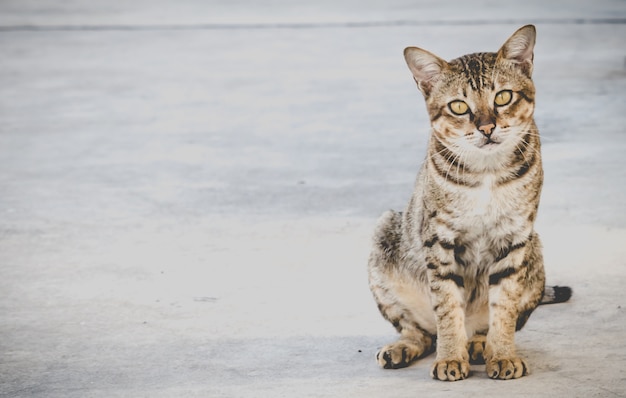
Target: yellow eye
503 97
458 107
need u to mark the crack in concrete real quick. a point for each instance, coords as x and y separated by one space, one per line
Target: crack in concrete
306 25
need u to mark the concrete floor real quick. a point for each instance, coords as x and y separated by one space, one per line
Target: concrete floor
188 190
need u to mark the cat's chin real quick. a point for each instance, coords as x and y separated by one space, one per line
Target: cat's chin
488 145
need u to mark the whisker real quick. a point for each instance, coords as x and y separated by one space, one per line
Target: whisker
535 133
451 163
527 146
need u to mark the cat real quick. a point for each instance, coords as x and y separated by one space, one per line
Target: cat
461 269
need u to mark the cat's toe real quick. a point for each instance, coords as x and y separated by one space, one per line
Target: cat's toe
504 369
450 370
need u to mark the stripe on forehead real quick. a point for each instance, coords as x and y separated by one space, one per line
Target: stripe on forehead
477 69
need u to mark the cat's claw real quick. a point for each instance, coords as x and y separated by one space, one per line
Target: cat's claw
450 370
505 369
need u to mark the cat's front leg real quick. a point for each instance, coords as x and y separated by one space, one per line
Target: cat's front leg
446 288
500 355
507 289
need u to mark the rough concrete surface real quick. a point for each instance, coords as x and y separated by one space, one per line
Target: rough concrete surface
188 190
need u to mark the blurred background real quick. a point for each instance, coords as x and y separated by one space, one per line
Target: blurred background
188 188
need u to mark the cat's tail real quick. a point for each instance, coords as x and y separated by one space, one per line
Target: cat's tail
556 294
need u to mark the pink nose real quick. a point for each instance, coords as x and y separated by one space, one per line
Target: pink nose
487 129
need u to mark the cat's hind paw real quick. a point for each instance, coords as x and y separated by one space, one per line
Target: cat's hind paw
505 369
398 355
450 370
476 349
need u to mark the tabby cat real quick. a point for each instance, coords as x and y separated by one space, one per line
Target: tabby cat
462 269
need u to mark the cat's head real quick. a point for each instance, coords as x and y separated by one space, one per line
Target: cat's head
479 103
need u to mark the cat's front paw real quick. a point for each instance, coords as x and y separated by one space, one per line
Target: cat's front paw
506 368
450 370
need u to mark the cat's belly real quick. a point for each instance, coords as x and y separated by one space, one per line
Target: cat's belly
477 320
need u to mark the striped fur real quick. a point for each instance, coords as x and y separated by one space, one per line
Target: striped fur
461 269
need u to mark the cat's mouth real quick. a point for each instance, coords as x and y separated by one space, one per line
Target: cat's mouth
488 142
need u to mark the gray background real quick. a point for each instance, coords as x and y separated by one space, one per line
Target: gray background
188 189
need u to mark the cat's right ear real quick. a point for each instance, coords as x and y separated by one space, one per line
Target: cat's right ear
425 66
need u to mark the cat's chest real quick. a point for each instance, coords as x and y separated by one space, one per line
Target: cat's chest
487 218
487 208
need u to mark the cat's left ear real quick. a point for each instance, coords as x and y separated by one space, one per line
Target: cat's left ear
519 49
